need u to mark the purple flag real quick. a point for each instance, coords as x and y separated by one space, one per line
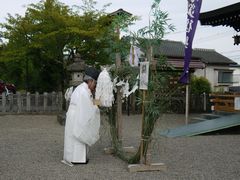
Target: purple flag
194 7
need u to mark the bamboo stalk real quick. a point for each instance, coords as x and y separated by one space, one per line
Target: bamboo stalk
142 140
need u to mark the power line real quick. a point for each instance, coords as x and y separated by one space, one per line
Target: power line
226 52
183 31
212 37
236 56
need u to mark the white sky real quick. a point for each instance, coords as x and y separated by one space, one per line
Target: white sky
218 38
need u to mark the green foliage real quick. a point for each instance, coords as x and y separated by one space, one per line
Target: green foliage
200 85
112 42
158 26
39 41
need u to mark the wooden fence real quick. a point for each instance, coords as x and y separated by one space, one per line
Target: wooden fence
31 103
197 104
225 102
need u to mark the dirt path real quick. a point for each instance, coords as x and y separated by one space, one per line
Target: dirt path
31 147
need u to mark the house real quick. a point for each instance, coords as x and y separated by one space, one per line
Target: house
226 16
208 63
236 75
174 51
218 69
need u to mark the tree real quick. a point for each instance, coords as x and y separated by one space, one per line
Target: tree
39 40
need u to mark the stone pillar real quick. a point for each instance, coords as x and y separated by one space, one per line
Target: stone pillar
45 101
53 95
10 98
3 102
28 101
36 101
60 101
19 102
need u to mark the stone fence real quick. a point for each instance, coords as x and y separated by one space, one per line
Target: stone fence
31 103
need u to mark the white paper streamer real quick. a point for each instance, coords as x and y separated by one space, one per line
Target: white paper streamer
104 89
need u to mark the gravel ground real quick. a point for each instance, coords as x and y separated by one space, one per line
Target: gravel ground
31 147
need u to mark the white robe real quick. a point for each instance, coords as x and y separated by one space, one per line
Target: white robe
82 125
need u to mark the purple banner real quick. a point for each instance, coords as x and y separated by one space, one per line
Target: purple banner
194 7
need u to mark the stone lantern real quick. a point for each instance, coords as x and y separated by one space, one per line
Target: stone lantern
77 70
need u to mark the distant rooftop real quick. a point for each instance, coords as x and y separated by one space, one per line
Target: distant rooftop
210 56
176 49
120 12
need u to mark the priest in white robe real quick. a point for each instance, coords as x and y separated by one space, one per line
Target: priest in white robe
82 121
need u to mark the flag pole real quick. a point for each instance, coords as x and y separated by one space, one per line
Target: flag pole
187 105
194 8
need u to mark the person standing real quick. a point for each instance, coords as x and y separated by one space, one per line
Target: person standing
82 121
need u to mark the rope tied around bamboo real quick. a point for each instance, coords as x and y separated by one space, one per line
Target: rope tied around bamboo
146 138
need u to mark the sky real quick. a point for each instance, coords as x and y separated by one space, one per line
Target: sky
207 37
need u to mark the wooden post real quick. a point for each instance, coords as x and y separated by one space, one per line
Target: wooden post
119 102
119 125
142 159
204 102
119 94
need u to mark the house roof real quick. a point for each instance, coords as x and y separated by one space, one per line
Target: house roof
120 12
226 16
175 49
210 56
170 48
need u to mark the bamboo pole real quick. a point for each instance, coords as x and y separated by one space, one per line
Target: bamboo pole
119 95
142 159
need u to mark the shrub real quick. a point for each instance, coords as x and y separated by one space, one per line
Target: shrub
200 85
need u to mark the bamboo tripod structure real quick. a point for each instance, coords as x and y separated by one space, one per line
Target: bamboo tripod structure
145 158
145 164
